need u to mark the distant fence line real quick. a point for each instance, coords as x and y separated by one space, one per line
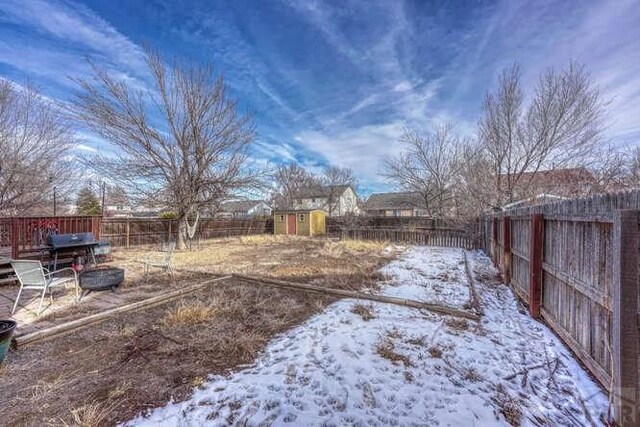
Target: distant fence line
336 224
447 237
575 264
126 232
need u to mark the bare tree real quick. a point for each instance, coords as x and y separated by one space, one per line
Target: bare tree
334 179
429 165
181 143
36 144
609 170
290 180
558 127
632 177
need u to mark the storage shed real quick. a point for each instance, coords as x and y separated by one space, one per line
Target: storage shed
309 222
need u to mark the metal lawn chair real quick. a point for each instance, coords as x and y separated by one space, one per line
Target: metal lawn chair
160 259
32 275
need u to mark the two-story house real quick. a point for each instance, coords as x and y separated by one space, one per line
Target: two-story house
336 200
244 209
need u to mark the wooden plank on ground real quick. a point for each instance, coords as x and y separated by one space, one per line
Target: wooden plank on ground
437 308
74 325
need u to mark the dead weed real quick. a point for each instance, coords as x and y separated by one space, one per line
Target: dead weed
507 405
189 314
386 348
366 311
93 414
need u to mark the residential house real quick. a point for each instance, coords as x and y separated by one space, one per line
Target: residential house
337 200
565 182
244 209
405 204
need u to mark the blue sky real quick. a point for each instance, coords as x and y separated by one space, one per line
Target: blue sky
335 82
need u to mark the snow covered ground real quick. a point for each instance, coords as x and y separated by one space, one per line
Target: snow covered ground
404 366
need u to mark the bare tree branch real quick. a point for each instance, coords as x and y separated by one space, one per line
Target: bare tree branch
182 144
36 144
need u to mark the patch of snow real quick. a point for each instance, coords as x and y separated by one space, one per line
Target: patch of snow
331 370
429 274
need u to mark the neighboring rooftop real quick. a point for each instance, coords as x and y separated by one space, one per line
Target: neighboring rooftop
239 205
319 192
399 200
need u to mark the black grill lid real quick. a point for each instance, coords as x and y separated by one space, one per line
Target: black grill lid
70 240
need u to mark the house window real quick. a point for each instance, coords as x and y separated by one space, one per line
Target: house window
301 217
313 200
281 218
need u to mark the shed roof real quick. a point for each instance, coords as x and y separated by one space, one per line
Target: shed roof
281 211
398 200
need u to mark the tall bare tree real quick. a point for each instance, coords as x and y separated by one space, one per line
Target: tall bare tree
429 165
558 127
632 178
181 143
290 180
334 179
36 144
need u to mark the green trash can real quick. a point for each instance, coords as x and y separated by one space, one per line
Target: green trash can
7 327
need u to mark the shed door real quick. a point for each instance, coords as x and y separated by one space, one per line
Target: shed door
291 224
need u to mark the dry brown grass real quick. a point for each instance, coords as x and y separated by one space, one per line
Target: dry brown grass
507 405
435 351
93 414
457 324
385 348
366 311
470 374
189 314
156 354
363 245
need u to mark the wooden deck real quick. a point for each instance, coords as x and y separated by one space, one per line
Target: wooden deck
65 307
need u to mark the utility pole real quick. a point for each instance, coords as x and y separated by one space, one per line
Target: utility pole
55 201
103 194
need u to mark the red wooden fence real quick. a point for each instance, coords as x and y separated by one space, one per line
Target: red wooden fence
21 236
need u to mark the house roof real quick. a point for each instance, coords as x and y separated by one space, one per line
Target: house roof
557 176
240 205
319 192
400 200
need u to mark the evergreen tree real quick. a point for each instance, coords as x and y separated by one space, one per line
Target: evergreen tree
88 203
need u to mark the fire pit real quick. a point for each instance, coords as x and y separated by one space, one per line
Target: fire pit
101 279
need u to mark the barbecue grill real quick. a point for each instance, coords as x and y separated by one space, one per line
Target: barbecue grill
76 242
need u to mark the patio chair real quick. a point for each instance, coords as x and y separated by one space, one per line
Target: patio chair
32 275
160 259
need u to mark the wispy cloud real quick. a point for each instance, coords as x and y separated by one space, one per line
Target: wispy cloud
336 82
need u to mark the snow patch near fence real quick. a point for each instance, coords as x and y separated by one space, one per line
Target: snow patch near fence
443 371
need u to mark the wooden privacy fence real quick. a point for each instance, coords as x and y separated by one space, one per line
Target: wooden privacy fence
575 264
21 236
126 232
437 237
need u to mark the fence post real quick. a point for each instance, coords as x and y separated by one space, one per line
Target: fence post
15 238
126 234
494 232
536 241
626 242
506 248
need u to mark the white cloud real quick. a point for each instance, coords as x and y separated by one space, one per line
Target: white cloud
76 24
362 149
